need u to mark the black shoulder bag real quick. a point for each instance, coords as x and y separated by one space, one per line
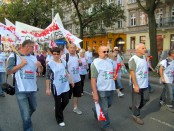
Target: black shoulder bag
7 88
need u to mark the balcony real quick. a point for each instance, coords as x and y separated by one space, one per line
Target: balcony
138 28
165 22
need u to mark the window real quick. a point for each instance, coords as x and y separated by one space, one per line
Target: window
133 19
143 18
120 2
120 23
143 39
132 42
159 17
172 13
132 1
111 1
172 41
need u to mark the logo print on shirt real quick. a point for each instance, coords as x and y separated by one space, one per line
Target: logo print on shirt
75 70
108 75
63 78
143 74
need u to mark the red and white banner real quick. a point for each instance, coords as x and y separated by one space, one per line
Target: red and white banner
72 38
38 35
99 112
13 28
8 34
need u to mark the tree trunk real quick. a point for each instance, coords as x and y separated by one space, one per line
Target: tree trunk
81 36
153 40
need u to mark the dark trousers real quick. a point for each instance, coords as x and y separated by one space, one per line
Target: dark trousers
89 69
44 69
82 81
139 100
61 102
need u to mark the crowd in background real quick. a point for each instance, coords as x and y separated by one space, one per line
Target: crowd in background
67 69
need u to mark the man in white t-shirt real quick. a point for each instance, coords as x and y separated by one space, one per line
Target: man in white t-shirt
103 85
166 71
139 78
25 77
2 72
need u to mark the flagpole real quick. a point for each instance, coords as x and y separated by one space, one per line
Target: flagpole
14 50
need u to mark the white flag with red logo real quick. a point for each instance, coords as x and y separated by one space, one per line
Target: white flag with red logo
52 44
7 33
99 112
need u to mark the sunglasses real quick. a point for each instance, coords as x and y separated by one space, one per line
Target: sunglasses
56 53
105 51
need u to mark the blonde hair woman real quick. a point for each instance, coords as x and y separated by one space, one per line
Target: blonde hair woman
82 67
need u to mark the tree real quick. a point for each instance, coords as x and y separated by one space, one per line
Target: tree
149 9
99 12
35 12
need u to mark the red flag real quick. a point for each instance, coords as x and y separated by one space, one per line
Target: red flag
99 112
116 70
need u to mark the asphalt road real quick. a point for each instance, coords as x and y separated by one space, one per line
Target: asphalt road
43 119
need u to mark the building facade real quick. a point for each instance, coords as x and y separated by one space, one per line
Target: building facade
126 34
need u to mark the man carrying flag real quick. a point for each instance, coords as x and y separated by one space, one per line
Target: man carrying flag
103 85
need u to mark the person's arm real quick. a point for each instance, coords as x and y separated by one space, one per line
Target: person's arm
94 89
48 87
132 69
12 68
48 77
161 72
134 81
39 67
94 75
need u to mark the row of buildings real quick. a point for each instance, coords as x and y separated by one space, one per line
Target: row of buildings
125 34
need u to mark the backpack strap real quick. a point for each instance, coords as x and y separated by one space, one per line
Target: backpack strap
14 82
67 59
167 60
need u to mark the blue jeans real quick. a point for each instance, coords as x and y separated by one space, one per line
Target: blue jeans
105 101
119 83
27 105
169 93
2 80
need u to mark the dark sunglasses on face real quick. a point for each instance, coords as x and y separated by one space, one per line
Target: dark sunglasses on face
105 51
56 53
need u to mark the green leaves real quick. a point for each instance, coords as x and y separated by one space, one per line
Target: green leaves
36 12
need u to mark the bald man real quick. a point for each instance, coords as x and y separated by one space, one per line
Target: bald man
103 85
139 78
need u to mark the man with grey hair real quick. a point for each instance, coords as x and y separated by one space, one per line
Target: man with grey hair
139 78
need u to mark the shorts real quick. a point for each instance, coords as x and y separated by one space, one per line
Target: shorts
76 90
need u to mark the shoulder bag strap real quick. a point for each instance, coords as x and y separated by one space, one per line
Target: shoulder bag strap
14 73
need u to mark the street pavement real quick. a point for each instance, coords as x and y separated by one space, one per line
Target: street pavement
43 119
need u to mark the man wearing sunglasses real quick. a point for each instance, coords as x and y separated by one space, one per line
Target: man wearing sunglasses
103 85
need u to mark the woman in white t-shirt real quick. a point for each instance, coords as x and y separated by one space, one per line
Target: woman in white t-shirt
57 81
82 67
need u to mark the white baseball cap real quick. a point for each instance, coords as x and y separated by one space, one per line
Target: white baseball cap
116 48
